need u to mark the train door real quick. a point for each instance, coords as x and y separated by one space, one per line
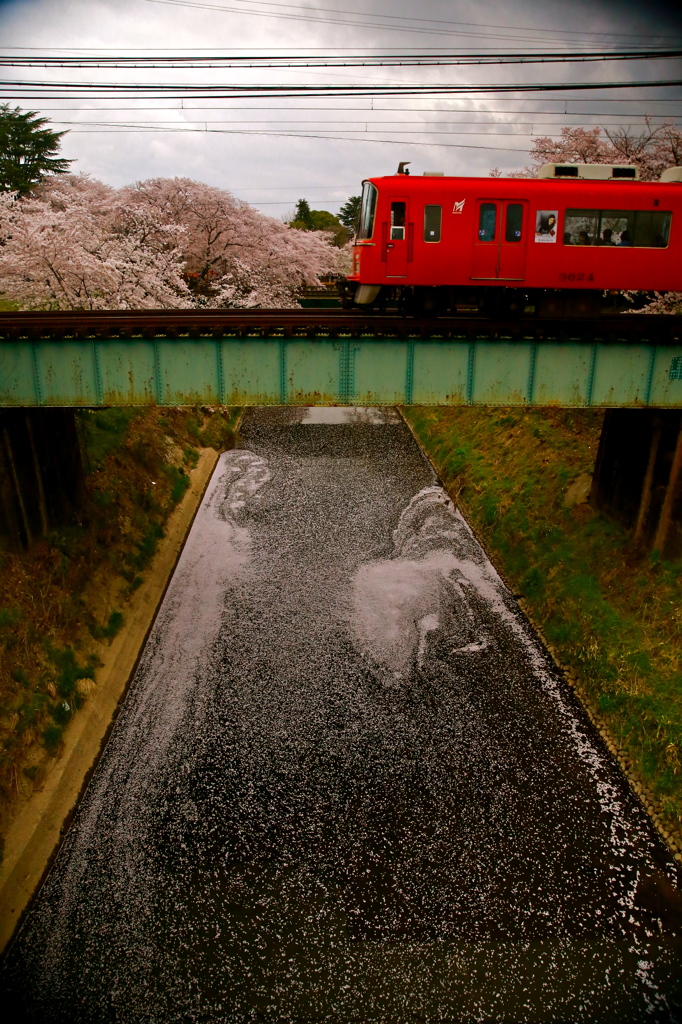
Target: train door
513 241
501 239
395 239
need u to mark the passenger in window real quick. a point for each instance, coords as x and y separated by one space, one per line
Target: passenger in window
607 237
567 238
584 238
625 238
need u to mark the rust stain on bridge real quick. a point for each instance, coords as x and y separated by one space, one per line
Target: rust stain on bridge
322 357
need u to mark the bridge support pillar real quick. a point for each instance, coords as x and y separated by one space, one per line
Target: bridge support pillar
638 476
41 473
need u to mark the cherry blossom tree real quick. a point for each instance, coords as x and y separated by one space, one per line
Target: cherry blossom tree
76 244
166 243
651 150
234 255
669 302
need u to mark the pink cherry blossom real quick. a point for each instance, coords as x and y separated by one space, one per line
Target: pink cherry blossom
168 243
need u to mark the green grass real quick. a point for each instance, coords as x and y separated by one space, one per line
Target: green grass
145 549
614 620
220 432
9 617
69 671
138 464
179 482
52 738
103 431
114 625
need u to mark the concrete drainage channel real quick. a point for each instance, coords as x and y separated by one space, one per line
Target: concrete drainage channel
348 782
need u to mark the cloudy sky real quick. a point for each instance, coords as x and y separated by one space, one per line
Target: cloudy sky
270 149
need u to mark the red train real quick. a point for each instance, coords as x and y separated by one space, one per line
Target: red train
568 242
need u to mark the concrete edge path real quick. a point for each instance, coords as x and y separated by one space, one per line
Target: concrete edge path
34 835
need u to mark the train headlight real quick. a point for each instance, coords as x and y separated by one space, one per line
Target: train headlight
356 262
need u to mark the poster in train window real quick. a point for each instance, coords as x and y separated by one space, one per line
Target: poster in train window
546 224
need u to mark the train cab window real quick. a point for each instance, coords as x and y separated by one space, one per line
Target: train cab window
623 229
398 211
487 222
368 209
432 223
514 223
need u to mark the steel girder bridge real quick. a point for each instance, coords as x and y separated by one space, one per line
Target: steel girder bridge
321 357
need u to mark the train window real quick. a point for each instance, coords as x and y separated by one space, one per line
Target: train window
487 222
643 229
398 211
652 229
514 223
581 227
616 227
432 222
367 210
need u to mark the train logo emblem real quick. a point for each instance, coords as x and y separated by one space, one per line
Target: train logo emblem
459 207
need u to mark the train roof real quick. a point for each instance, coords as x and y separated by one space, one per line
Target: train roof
428 183
431 179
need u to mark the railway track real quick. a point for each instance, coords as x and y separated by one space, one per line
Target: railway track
326 323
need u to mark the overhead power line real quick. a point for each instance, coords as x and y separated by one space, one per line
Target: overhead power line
334 61
450 111
21 90
325 137
480 126
426 128
387 22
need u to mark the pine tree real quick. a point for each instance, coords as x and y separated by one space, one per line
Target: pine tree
349 214
303 213
27 150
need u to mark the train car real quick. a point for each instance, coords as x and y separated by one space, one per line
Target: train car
568 242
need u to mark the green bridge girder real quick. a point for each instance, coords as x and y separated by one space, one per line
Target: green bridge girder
320 357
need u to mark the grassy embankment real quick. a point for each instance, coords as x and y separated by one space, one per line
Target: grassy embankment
611 618
59 600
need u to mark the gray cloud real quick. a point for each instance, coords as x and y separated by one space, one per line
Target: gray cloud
270 152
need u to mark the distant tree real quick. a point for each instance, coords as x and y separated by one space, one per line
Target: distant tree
349 214
306 219
303 214
27 150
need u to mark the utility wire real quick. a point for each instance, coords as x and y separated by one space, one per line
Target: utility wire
370 128
483 126
379 110
279 63
222 91
332 138
419 26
